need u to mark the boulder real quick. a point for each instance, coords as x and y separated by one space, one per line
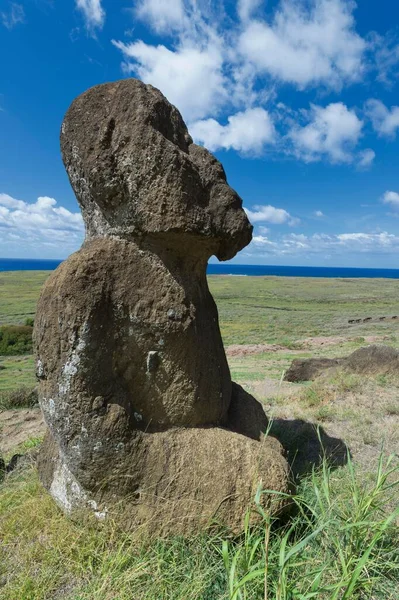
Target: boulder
134 382
308 369
369 360
373 360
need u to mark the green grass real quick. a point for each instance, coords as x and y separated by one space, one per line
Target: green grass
271 309
16 372
19 292
341 543
258 309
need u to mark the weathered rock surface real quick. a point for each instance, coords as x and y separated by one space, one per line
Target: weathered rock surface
308 369
370 360
373 360
134 381
178 481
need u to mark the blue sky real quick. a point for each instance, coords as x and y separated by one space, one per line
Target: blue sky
298 99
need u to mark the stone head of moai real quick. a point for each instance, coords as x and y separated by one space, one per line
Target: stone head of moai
137 173
134 382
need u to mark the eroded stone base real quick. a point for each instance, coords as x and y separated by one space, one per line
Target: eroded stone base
190 478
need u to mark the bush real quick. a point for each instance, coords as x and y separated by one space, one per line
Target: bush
23 397
15 339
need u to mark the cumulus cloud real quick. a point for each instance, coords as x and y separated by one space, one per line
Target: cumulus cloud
318 213
385 49
93 13
391 198
261 240
214 63
332 132
270 214
13 16
385 121
191 78
248 132
246 8
366 158
301 247
307 43
41 223
162 16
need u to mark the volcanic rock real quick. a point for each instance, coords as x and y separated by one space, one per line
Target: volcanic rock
134 382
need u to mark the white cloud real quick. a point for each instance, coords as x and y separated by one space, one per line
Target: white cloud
332 133
217 63
318 213
162 15
385 121
261 240
13 16
391 198
369 241
270 214
191 78
93 13
40 224
385 49
263 230
366 158
246 132
307 43
300 247
246 8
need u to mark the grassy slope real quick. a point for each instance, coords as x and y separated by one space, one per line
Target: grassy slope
44 556
16 371
19 292
278 309
256 309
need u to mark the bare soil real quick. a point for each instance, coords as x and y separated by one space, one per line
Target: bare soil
305 344
19 425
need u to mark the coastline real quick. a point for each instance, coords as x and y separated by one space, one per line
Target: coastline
236 270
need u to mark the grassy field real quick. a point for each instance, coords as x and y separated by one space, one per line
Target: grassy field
19 292
284 309
258 309
341 543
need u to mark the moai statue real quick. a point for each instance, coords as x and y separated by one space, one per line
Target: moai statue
134 382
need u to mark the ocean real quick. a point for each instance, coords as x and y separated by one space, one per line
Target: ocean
22 264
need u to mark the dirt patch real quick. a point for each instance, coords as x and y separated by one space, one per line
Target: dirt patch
304 344
325 341
245 349
19 425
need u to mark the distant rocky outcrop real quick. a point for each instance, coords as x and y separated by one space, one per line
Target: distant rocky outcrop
370 360
134 382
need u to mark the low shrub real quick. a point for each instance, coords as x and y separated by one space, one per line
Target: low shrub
23 397
15 340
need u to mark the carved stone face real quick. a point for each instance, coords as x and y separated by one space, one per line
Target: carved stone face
136 172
